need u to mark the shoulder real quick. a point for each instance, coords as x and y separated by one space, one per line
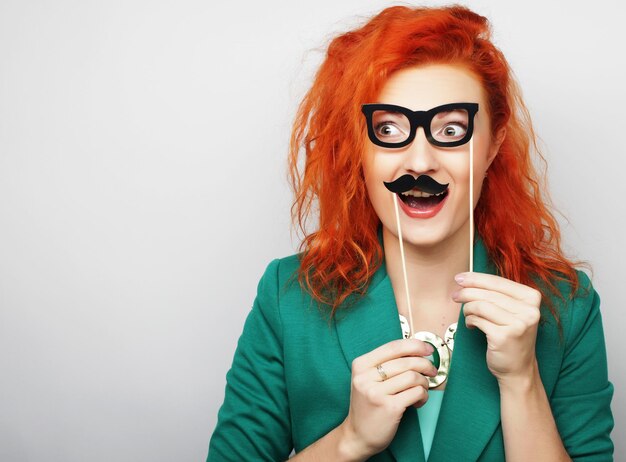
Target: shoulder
266 309
278 273
291 301
580 309
278 280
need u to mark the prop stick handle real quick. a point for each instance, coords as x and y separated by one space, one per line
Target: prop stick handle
406 282
471 205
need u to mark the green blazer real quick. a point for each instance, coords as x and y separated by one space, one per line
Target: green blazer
289 383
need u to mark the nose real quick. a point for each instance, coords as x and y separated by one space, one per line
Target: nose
420 155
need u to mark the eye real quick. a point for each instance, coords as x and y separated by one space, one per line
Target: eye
387 129
454 129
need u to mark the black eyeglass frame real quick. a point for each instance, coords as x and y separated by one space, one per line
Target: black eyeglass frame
419 119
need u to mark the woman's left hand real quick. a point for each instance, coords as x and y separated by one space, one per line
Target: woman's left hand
508 313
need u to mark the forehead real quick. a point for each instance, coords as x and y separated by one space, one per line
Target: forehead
420 88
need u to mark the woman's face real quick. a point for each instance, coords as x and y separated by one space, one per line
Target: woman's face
422 88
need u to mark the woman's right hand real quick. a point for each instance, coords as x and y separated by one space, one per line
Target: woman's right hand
377 406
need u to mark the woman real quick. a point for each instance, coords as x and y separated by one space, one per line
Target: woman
412 121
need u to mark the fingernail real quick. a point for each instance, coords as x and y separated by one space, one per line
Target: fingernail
429 348
459 278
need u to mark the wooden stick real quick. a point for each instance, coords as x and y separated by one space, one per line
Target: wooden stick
471 205
471 239
406 282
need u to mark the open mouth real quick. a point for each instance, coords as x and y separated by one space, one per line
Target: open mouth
420 200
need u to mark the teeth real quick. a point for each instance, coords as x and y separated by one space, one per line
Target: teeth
415 193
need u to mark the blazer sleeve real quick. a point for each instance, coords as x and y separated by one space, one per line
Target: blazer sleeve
581 399
253 422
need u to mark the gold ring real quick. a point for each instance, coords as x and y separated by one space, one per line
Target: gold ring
381 371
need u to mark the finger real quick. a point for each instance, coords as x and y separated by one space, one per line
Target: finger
490 312
399 365
392 350
483 324
499 284
401 382
416 396
469 294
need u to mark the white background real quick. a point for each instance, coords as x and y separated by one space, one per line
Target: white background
143 192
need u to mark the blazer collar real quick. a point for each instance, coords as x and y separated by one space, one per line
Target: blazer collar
470 411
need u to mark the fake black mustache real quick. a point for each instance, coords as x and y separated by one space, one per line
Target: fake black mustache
423 182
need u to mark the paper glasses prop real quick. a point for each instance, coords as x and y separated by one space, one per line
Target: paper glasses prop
449 125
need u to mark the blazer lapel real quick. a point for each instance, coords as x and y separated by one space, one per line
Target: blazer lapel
470 410
369 323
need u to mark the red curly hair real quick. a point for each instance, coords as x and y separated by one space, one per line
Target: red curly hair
520 234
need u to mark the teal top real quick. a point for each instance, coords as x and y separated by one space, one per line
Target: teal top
428 415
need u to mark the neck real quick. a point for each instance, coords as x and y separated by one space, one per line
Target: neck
430 270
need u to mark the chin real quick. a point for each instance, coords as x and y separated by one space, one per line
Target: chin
424 240
424 237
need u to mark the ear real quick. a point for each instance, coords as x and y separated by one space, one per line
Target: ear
495 146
